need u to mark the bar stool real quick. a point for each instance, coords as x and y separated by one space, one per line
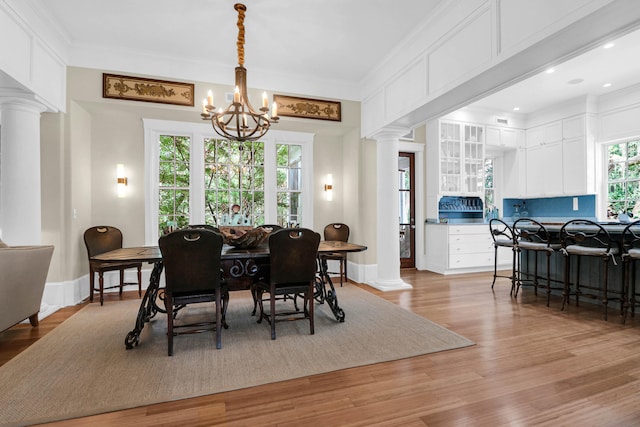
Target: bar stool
580 237
630 254
502 236
532 236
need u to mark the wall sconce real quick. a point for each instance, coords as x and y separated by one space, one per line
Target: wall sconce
328 187
122 180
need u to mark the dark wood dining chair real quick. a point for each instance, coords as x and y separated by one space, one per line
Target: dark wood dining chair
293 254
192 261
101 239
338 232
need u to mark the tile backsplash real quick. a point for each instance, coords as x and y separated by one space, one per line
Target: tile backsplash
552 207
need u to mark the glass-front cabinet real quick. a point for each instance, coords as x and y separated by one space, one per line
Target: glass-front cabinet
461 158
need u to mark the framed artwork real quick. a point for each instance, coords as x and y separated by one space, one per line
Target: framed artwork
306 108
147 90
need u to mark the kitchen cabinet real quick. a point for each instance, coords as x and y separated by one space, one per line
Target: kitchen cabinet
461 158
573 127
548 133
503 138
514 178
578 155
462 248
544 170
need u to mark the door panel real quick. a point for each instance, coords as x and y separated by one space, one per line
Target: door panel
406 199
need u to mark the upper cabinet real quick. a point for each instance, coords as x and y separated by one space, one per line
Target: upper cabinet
461 158
503 139
560 158
548 133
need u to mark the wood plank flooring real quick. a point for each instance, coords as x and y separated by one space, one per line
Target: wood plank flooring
531 365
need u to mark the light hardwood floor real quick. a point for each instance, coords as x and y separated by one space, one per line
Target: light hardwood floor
531 365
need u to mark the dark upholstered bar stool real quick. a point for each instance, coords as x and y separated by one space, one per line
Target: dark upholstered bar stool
530 235
581 238
630 254
502 236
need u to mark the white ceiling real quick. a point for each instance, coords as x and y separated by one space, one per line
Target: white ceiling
323 40
340 40
578 77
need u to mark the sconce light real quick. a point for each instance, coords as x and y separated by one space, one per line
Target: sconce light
122 180
328 187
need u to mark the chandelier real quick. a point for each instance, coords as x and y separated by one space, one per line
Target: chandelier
240 121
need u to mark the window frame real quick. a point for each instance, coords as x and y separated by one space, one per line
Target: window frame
197 132
604 198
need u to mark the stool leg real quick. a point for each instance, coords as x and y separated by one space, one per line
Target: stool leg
632 289
495 264
565 292
605 297
578 281
535 273
548 277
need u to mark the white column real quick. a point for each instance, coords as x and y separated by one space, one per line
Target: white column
388 256
20 198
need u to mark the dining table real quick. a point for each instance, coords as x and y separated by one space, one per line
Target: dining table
241 267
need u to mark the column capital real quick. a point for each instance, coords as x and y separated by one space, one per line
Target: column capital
390 133
24 103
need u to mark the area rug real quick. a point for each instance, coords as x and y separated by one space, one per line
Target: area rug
82 367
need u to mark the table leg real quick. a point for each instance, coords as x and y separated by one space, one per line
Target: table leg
148 307
328 295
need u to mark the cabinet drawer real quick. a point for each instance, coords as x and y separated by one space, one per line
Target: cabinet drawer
471 260
471 239
469 229
470 248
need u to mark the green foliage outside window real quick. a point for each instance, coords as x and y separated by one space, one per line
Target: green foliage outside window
174 175
623 179
234 180
489 191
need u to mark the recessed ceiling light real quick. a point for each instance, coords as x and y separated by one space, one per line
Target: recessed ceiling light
606 85
549 70
609 45
516 108
575 81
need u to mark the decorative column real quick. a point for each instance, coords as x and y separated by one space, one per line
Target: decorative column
388 255
20 198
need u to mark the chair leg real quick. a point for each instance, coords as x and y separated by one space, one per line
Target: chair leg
101 284
91 284
309 297
346 276
272 314
341 269
121 280
218 320
168 306
140 281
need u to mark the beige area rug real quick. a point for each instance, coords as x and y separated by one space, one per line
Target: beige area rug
82 367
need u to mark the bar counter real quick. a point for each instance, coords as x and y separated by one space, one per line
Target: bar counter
591 268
